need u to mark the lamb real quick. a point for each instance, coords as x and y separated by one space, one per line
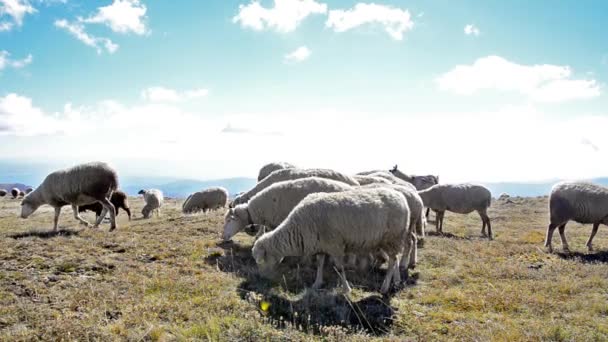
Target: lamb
581 202
356 221
291 174
2 192
461 199
154 200
79 185
208 199
14 192
272 205
28 190
420 182
271 167
119 199
365 180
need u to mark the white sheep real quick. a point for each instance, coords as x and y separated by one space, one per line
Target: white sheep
420 182
390 178
272 205
271 167
581 202
365 180
15 192
291 174
461 199
154 200
80 185
208 199
358 221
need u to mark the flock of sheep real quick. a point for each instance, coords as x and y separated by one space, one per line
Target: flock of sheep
292 212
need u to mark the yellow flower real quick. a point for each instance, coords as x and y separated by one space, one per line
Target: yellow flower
264 305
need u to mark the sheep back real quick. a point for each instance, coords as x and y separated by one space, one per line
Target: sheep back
271 167
2 192
582 202
458 198
212 198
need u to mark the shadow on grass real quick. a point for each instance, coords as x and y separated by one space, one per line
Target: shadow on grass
448 235
298 306
594 257
45 234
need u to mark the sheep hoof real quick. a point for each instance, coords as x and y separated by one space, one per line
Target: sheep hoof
590 248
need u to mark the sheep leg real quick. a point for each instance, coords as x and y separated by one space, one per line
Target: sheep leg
390 271
100 217
342 274
437 219
562 235
77 216
413 252
109 207
593 232
549 237
486 222
320 263
428 211
56 218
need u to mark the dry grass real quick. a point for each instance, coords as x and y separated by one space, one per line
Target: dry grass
168 279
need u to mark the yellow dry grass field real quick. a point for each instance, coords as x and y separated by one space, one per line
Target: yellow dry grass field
170 278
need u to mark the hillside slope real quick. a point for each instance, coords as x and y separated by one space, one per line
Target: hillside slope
170 278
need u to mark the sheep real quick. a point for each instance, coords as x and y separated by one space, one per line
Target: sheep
391 179
417 224
272 205
28 190
79 185
365 180
208 199
461 199
504 196
154 200
119 199
355 221
291 174
21 194
581 202
271 167
15 192
420 182
2 192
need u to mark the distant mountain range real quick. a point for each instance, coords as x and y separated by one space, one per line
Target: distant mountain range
22 175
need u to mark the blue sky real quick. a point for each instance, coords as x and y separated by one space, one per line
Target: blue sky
487 91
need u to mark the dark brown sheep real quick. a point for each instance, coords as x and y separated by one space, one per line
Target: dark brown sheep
2 192
119 199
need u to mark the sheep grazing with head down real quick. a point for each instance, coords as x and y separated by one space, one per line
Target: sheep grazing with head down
154 200
271 167
272 205
79 185
3 192
461 199
357 221
291 174
581 202
15 192
119 199
366 180
208 199
420 182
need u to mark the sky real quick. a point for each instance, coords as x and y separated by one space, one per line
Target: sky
469 90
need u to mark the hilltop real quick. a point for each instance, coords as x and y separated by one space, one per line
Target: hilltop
171 278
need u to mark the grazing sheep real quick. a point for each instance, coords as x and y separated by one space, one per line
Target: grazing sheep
417 224
581 202
365 180
208 199
119 199
2 192
291 174
461 199
420 182
272 205
79 185
357 221
15 192
21 194
154 200
271 167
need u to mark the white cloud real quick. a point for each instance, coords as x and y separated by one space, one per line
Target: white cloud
78 31
541 83
16 9
285 16
122 16
394 20
298 55
162 94
7 62
471 30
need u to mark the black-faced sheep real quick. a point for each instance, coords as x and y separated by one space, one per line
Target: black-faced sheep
15 192
79 185
119 199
